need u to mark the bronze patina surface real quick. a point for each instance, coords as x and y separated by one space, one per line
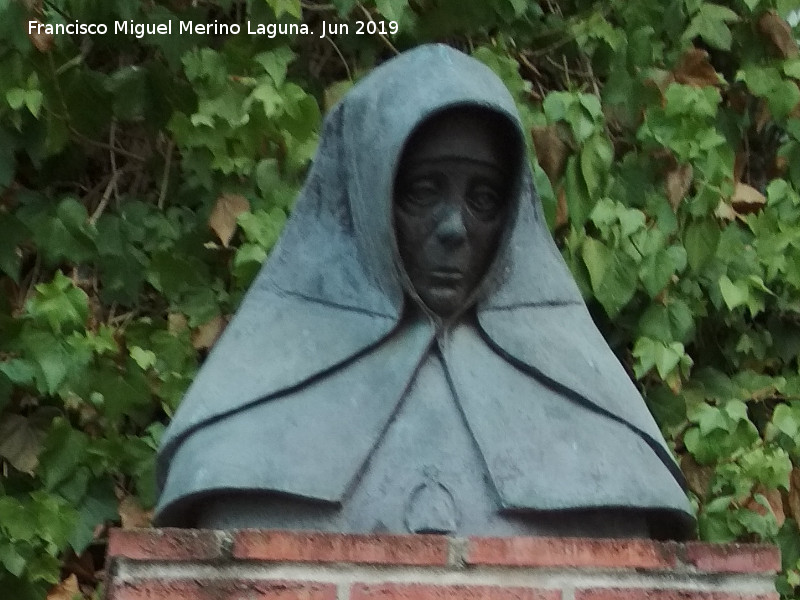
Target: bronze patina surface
415 356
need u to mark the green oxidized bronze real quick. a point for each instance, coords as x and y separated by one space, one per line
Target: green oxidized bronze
415 356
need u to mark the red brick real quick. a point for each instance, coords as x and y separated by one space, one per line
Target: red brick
651 594
165 544
571 552
333 547
734 558
222 590
388 591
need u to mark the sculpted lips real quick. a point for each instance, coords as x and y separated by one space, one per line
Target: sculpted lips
447 276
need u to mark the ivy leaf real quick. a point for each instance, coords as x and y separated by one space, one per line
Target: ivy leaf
17 522
582 125
596 156
789 542
781 95
579 203
300 121
19 371
700 241
64 450
144 358
391 9
98 506
33 101
262 227
174 274
59 303
710 23
667 324
764 525
665 357
15 98
506 68
734 294
612 274
596 27
275 63
267 95
247 262
290 7
12 561
656 272
121 396
60 234
709 419
791 68
592 105
691 101
669 409
785 419
52 357
555 105
714 522
199 304
268 176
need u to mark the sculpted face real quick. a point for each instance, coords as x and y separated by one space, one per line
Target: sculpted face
451 202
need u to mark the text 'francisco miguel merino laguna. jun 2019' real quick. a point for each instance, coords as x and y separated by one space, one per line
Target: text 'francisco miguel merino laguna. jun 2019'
270 30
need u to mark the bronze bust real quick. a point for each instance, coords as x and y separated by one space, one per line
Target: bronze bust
415 356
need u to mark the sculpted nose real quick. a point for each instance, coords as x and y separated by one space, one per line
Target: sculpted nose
451 229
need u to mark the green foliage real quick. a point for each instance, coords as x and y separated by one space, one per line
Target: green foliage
145 179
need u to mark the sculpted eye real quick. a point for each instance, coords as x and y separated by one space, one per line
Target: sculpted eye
485 201
419 193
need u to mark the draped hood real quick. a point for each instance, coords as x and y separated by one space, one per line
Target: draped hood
328 306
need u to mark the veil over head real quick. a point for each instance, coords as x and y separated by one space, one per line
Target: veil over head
331 300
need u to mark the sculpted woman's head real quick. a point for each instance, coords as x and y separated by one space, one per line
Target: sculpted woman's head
452 199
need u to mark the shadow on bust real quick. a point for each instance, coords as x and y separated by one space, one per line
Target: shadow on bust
415 356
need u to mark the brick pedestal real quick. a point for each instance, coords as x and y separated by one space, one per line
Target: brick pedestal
174 564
